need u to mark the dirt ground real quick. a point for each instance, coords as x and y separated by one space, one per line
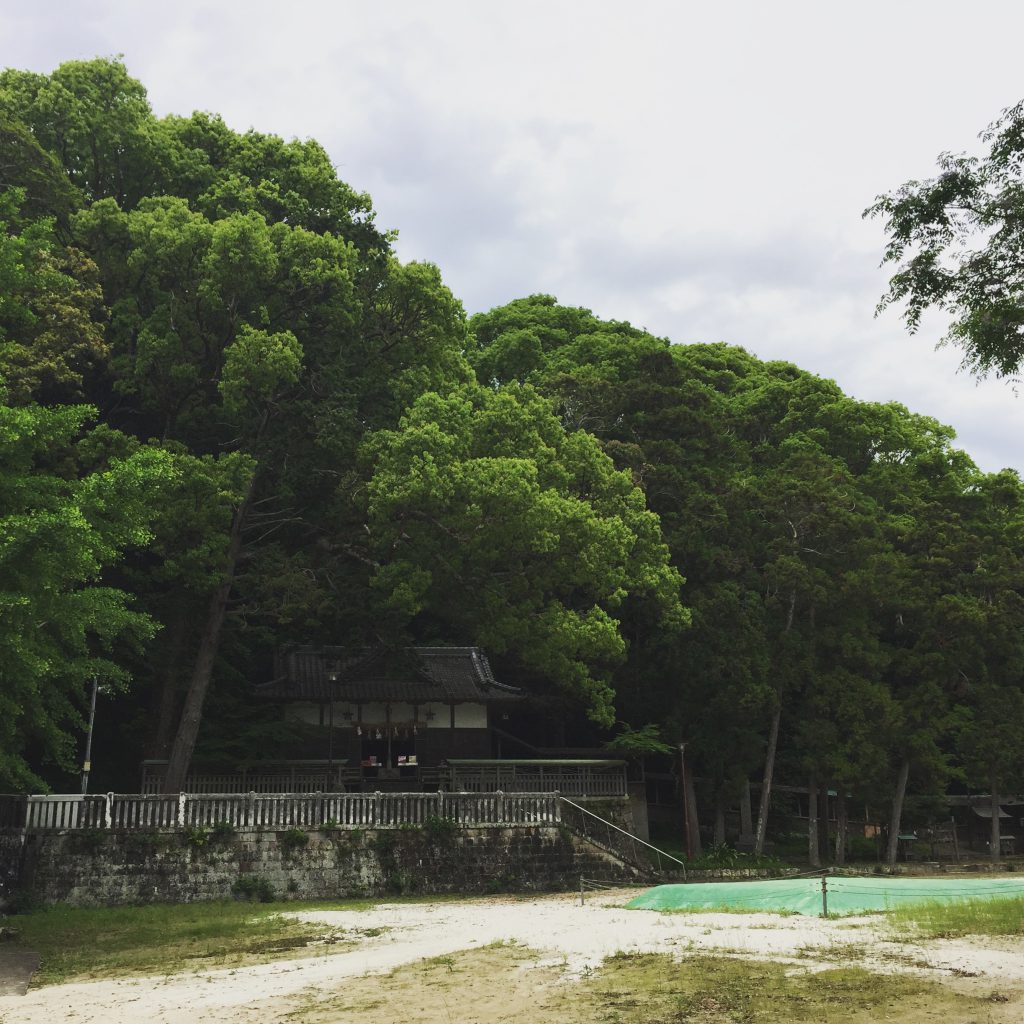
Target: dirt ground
547 959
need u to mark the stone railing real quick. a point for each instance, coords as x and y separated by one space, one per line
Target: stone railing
130 811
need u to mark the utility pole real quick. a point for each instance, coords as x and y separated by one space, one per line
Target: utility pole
87 762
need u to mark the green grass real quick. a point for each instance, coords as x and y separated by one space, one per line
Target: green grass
939 920
164 938
90 942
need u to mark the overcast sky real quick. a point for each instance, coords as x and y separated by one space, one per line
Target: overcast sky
699 170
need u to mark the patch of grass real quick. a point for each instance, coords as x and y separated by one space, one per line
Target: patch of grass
727 909
942 920
634 988
630 988
96 942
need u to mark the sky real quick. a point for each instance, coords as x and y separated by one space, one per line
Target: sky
698 170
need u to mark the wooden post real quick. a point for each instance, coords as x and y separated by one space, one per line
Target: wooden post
824 896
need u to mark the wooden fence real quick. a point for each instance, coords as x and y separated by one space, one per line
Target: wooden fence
274 811
572 781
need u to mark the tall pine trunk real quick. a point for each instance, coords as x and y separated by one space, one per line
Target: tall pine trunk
841 827
719 814
199 684
692 819
994 851
746 812
766 785
813 849
897 813
169 692
769 757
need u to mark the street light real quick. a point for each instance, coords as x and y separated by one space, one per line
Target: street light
87 761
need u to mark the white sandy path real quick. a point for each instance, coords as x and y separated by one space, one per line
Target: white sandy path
557 927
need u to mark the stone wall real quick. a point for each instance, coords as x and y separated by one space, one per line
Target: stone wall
110 868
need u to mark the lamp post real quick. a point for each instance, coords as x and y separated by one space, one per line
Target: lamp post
686 800
331 679
87 760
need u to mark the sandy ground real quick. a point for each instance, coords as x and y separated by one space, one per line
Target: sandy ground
567 939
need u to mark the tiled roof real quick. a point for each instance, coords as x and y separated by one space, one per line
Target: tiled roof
415 675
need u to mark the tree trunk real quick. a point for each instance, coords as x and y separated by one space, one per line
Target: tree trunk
692 820
720 815
840 827
192 712
813 849
746 812
994 852
824 826
897 813
167 711
766 785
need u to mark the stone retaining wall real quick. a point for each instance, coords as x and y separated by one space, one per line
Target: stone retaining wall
91 868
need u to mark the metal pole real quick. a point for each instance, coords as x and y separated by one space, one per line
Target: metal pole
331 680
87 762
686 800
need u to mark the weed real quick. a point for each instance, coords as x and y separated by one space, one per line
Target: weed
144 844
292 840
440 830
89 840
253 887
222 832
330 825
384 844
721 856
196 836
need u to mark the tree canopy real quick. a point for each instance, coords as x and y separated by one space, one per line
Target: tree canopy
233 418
957 243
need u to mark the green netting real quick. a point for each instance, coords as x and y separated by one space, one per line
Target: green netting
803 895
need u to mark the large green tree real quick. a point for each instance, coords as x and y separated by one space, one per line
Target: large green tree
497 526
62 526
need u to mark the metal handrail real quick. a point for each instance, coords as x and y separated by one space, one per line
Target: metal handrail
628 835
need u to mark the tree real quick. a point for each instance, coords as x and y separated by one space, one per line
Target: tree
957 241
60 622
498 527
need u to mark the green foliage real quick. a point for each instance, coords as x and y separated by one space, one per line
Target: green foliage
292 840
253 887
222 832
440 830
956 246
89 840
197 836
63 523
724 857
632 742
482 492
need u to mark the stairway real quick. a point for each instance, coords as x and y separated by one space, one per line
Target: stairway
634 853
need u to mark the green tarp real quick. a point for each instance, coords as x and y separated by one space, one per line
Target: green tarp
803 895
